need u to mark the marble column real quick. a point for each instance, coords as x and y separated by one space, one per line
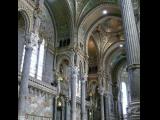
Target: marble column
109 98
31 40
74 73
133 57
54 108
106 107
101 92
83 97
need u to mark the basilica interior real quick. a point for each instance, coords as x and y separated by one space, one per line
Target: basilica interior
78 60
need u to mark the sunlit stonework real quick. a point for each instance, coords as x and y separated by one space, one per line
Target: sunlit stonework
75 58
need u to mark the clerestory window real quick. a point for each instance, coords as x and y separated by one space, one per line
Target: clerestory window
37 58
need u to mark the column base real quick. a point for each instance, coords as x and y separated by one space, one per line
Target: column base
134 111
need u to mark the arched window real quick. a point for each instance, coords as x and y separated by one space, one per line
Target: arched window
40 62
124 98
37 58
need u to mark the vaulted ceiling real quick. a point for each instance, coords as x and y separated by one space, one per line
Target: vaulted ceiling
65 12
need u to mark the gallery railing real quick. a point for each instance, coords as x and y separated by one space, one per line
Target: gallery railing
35 117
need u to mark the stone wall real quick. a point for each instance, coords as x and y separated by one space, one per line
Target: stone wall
39 103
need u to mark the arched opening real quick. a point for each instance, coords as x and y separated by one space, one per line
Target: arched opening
22 25
21 36
123 79
124 99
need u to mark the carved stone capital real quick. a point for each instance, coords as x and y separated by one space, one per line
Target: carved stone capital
84 78
75 70
101 90
31 40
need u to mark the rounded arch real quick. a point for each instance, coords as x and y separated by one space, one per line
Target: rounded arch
87 24
113 47
93 26
100 7
28 14
110 57
26 18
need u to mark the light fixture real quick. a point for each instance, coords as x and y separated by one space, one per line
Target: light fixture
90 113
121 45
59 104
104 12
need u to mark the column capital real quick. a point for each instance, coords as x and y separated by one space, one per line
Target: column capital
31 40
101 90
84 78
75 69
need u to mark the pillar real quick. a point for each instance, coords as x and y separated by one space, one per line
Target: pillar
109 98
74 73
133 57
83 97
102 102
106 108
101 91
54 107
67 111
31 40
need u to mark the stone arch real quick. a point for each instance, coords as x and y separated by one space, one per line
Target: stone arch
26 18
110 50
93 26
84 35
28 15
107 59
